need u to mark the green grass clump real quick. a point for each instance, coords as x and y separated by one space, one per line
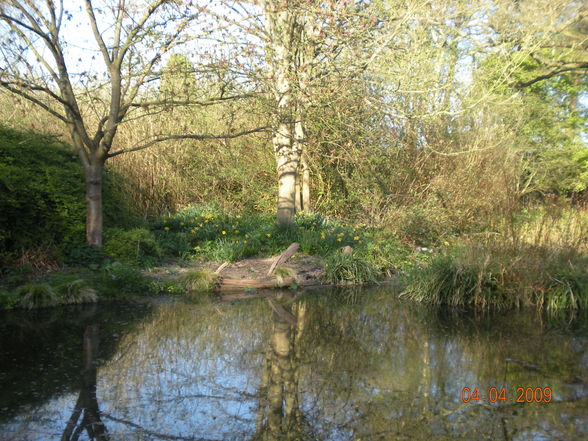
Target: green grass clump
494 276
351 268
36 295
283 273
200 281
76 292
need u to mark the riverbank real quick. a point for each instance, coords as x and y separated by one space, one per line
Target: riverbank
201 250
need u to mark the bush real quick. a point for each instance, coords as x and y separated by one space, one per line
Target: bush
8 300
137 246
42 187
121 278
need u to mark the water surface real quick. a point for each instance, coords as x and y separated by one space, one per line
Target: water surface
326 365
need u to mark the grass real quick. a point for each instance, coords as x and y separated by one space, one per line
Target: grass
341 268
199 281
36 295
282 274
75 292
495 276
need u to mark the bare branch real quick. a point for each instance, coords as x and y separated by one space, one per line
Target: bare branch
197 137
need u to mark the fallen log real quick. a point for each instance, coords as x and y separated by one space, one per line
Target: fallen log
289 252
226 284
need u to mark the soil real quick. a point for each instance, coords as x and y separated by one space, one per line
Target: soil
308 270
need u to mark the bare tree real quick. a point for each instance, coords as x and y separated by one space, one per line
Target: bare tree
130 38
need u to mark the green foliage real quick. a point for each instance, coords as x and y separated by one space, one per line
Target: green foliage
494 277
120 278
343 268
199 281
167 287
137 246
8 300
282 274
36 295
76 291
42 202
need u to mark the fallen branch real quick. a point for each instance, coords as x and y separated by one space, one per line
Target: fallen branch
290 251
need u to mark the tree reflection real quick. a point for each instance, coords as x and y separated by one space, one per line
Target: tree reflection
86 413
279 415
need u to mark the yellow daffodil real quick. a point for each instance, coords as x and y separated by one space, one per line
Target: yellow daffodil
166 228
223 232
338 239
268 235
356 238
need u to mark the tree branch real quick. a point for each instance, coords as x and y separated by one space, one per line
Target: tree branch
555 72
197 137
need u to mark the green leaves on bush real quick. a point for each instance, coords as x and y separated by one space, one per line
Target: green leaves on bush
137 246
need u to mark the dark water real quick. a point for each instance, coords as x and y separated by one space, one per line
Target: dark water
354 365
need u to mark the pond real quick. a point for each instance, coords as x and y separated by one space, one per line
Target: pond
354 364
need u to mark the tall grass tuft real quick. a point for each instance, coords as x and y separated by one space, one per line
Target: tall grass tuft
36 295
200 281
75 292
497 276
352 268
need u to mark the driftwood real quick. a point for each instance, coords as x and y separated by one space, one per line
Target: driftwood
222 267
265 282
290 251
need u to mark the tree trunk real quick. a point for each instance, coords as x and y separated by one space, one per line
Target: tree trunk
305 185
94 221
288 161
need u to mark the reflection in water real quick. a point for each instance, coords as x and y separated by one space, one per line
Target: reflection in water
314 368
87 403
279 416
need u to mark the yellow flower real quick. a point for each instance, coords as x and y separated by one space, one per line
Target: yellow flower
341 234
356 238
446 243
247 235
166 228
338 239
223 232
236 231
301 228
201 225
244 241
182 224
268 235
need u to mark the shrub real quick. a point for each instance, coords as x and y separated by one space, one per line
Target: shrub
137 246
42 187
8 300
121 278
35 295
